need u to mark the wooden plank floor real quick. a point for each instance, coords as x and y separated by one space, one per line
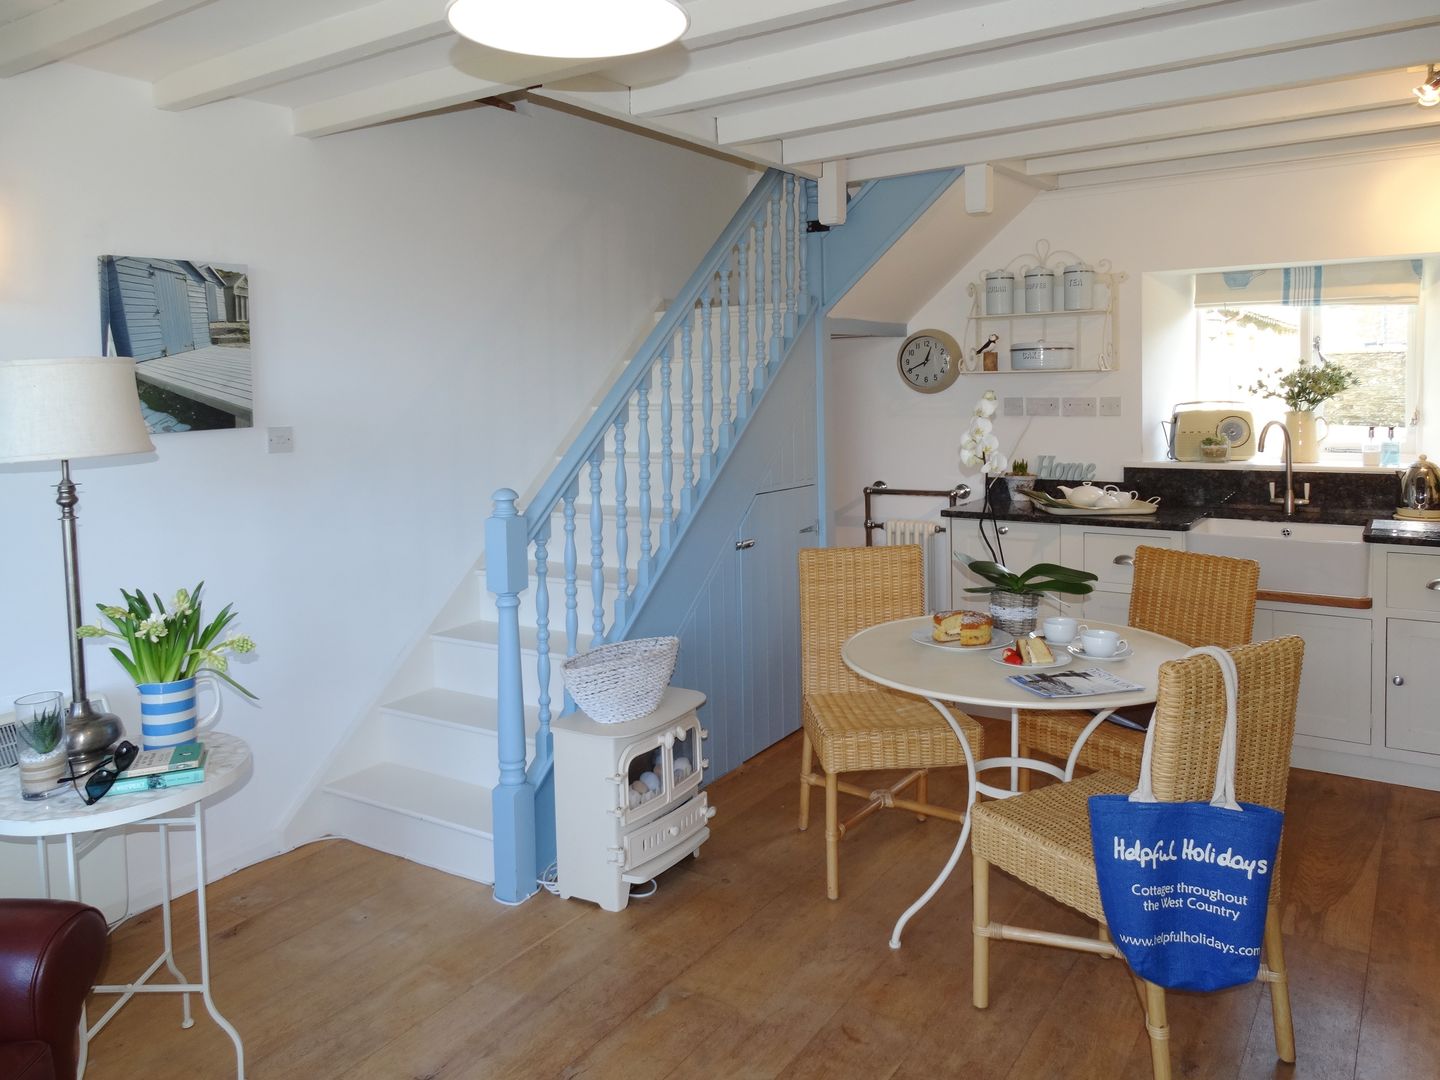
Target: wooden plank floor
220 376
337 961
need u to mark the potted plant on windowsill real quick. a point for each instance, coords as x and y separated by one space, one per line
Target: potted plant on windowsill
1214 448
1304 390
1015 598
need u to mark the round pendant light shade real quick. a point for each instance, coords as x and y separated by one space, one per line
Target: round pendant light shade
578 29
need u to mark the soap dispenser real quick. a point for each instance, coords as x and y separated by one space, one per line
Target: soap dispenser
1370 448
1390 450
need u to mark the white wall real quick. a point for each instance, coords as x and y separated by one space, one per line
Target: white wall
1349 209
434 301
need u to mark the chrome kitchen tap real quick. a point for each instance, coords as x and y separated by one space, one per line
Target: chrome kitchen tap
1289 498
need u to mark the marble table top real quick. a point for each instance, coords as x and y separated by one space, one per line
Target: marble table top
227 763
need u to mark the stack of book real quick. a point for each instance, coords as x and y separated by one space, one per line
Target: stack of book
174 766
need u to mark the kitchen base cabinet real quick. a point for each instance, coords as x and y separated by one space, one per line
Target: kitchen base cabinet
1412 685
1335 679
1109 554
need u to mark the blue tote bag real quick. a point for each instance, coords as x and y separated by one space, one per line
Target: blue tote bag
1185 885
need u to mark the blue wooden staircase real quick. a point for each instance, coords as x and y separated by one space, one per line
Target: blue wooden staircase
453 765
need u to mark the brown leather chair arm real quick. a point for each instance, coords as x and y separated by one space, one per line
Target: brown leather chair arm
50 953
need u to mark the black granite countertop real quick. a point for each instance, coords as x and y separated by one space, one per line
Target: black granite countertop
1186 501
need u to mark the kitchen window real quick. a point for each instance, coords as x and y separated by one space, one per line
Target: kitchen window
1366 317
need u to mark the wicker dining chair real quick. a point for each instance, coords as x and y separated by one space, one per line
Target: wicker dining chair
1042 837
1194 598
850 723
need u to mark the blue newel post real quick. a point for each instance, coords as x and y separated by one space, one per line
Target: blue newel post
507 573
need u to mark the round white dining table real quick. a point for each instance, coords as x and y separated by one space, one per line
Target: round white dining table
888 654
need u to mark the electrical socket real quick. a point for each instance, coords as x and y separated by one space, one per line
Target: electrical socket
1042 406
279 440
1014 406
1109 406
1077 406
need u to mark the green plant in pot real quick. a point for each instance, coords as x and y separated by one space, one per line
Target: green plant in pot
1304 389
1214 448
40 725
1015 598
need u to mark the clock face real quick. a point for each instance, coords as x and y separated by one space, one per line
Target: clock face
929 361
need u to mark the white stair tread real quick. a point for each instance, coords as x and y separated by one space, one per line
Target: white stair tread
555 573
455 709
486 632
418 794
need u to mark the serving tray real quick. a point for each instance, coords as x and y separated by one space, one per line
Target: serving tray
1135 509
1064 508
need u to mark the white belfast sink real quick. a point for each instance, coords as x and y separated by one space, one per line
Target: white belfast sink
1330 560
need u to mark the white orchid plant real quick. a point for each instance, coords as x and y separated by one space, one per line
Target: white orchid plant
980 446
167 645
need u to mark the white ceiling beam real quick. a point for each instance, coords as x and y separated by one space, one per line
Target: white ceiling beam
424 92
1387 143
318 46
717 22
1218 37
1155 124
1394 117
72 26
1231 78
953 33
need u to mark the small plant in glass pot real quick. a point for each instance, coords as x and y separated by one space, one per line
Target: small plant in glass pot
40 724
1214 448
1015 598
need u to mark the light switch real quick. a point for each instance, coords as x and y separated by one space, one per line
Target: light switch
279 440
1014 406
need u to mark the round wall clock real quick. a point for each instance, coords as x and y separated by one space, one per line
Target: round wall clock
929 361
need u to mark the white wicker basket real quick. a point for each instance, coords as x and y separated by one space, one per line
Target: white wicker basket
623 681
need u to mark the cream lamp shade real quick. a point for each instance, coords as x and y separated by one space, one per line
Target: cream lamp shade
571 29
77 407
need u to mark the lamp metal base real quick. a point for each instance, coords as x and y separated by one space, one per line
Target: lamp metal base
90 735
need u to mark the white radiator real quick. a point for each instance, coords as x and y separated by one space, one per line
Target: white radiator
911 531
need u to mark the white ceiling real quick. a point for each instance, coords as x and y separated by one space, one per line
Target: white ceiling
1065 93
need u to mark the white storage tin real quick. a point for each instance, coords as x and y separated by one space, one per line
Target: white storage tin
999 292
1079 287
1039 356
1039 290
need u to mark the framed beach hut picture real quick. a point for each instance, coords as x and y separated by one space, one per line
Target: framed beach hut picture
187 324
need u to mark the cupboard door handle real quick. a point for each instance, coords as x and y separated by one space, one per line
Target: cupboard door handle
1398 680
1124 560
744 545
811 528
1433 586
1003 530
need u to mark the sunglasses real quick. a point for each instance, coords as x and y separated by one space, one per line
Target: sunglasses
99 780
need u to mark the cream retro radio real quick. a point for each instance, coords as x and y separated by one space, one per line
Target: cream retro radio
1191 421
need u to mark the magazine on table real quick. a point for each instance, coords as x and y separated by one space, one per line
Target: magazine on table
1080 682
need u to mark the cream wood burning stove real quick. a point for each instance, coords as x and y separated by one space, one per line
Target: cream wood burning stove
628 803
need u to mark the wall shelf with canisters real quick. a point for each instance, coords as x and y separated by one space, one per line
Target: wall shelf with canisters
1043 311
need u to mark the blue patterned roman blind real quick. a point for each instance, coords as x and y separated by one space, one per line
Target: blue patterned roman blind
1394 281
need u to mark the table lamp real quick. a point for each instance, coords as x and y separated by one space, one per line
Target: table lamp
61 410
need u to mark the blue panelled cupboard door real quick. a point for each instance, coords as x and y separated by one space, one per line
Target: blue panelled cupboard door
779 523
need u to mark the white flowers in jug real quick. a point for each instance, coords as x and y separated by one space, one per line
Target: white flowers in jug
980 446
